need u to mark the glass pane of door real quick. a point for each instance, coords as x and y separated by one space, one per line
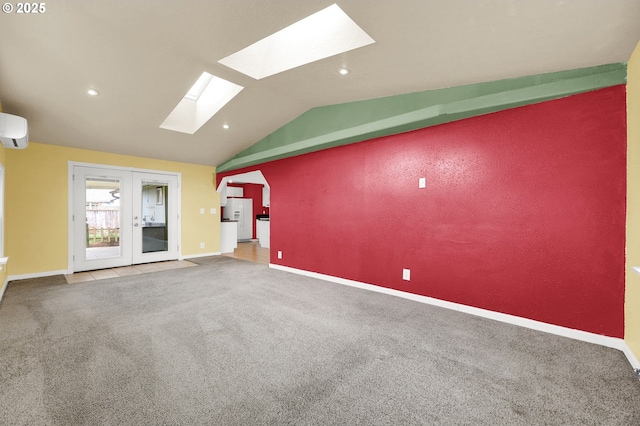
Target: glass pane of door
102 218
155 232
155 217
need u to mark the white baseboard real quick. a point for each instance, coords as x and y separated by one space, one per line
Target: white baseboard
630 356
4 287
194 256
598 339
37 275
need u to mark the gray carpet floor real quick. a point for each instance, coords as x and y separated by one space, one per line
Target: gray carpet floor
235 343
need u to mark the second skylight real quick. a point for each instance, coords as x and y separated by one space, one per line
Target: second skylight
326 33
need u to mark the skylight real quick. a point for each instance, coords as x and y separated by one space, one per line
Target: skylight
199 86
325 33
205 98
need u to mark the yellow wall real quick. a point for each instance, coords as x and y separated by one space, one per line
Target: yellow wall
3 273
632 292
36 204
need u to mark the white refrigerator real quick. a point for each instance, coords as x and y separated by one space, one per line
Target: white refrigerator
241 210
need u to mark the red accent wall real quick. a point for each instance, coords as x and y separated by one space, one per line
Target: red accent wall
524 211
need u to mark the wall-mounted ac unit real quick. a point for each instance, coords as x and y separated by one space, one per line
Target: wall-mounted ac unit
14 132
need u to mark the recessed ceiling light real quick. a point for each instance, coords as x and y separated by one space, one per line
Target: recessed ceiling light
206 97
318 36
343 71
92 92
225 126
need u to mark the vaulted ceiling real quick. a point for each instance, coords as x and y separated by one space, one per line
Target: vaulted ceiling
142 56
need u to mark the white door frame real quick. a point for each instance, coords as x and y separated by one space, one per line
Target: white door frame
72 164
80 260
171 181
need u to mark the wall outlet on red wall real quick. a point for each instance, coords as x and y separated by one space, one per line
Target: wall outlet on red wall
406 274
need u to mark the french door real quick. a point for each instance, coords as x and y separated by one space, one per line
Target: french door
122 217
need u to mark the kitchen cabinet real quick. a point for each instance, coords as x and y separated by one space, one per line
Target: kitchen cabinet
235 191
263 232
154 238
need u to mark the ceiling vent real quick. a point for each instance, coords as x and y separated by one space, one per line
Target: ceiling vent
13 131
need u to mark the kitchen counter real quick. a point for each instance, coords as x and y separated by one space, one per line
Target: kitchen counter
154 225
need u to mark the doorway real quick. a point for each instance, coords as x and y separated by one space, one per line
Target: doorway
255 250
122 217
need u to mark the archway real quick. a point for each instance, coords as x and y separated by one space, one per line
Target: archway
237 216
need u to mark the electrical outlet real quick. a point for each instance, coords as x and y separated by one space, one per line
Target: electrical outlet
213 211
406 274
422 182
201 245
279 254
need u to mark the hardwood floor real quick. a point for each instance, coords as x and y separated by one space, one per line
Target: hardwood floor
252 252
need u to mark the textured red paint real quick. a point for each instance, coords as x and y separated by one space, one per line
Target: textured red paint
524 211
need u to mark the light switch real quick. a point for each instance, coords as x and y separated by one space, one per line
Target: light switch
213 211
202 210
422 182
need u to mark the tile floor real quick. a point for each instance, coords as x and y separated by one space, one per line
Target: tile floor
81 277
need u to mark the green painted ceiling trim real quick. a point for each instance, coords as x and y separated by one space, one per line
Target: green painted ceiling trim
335 125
